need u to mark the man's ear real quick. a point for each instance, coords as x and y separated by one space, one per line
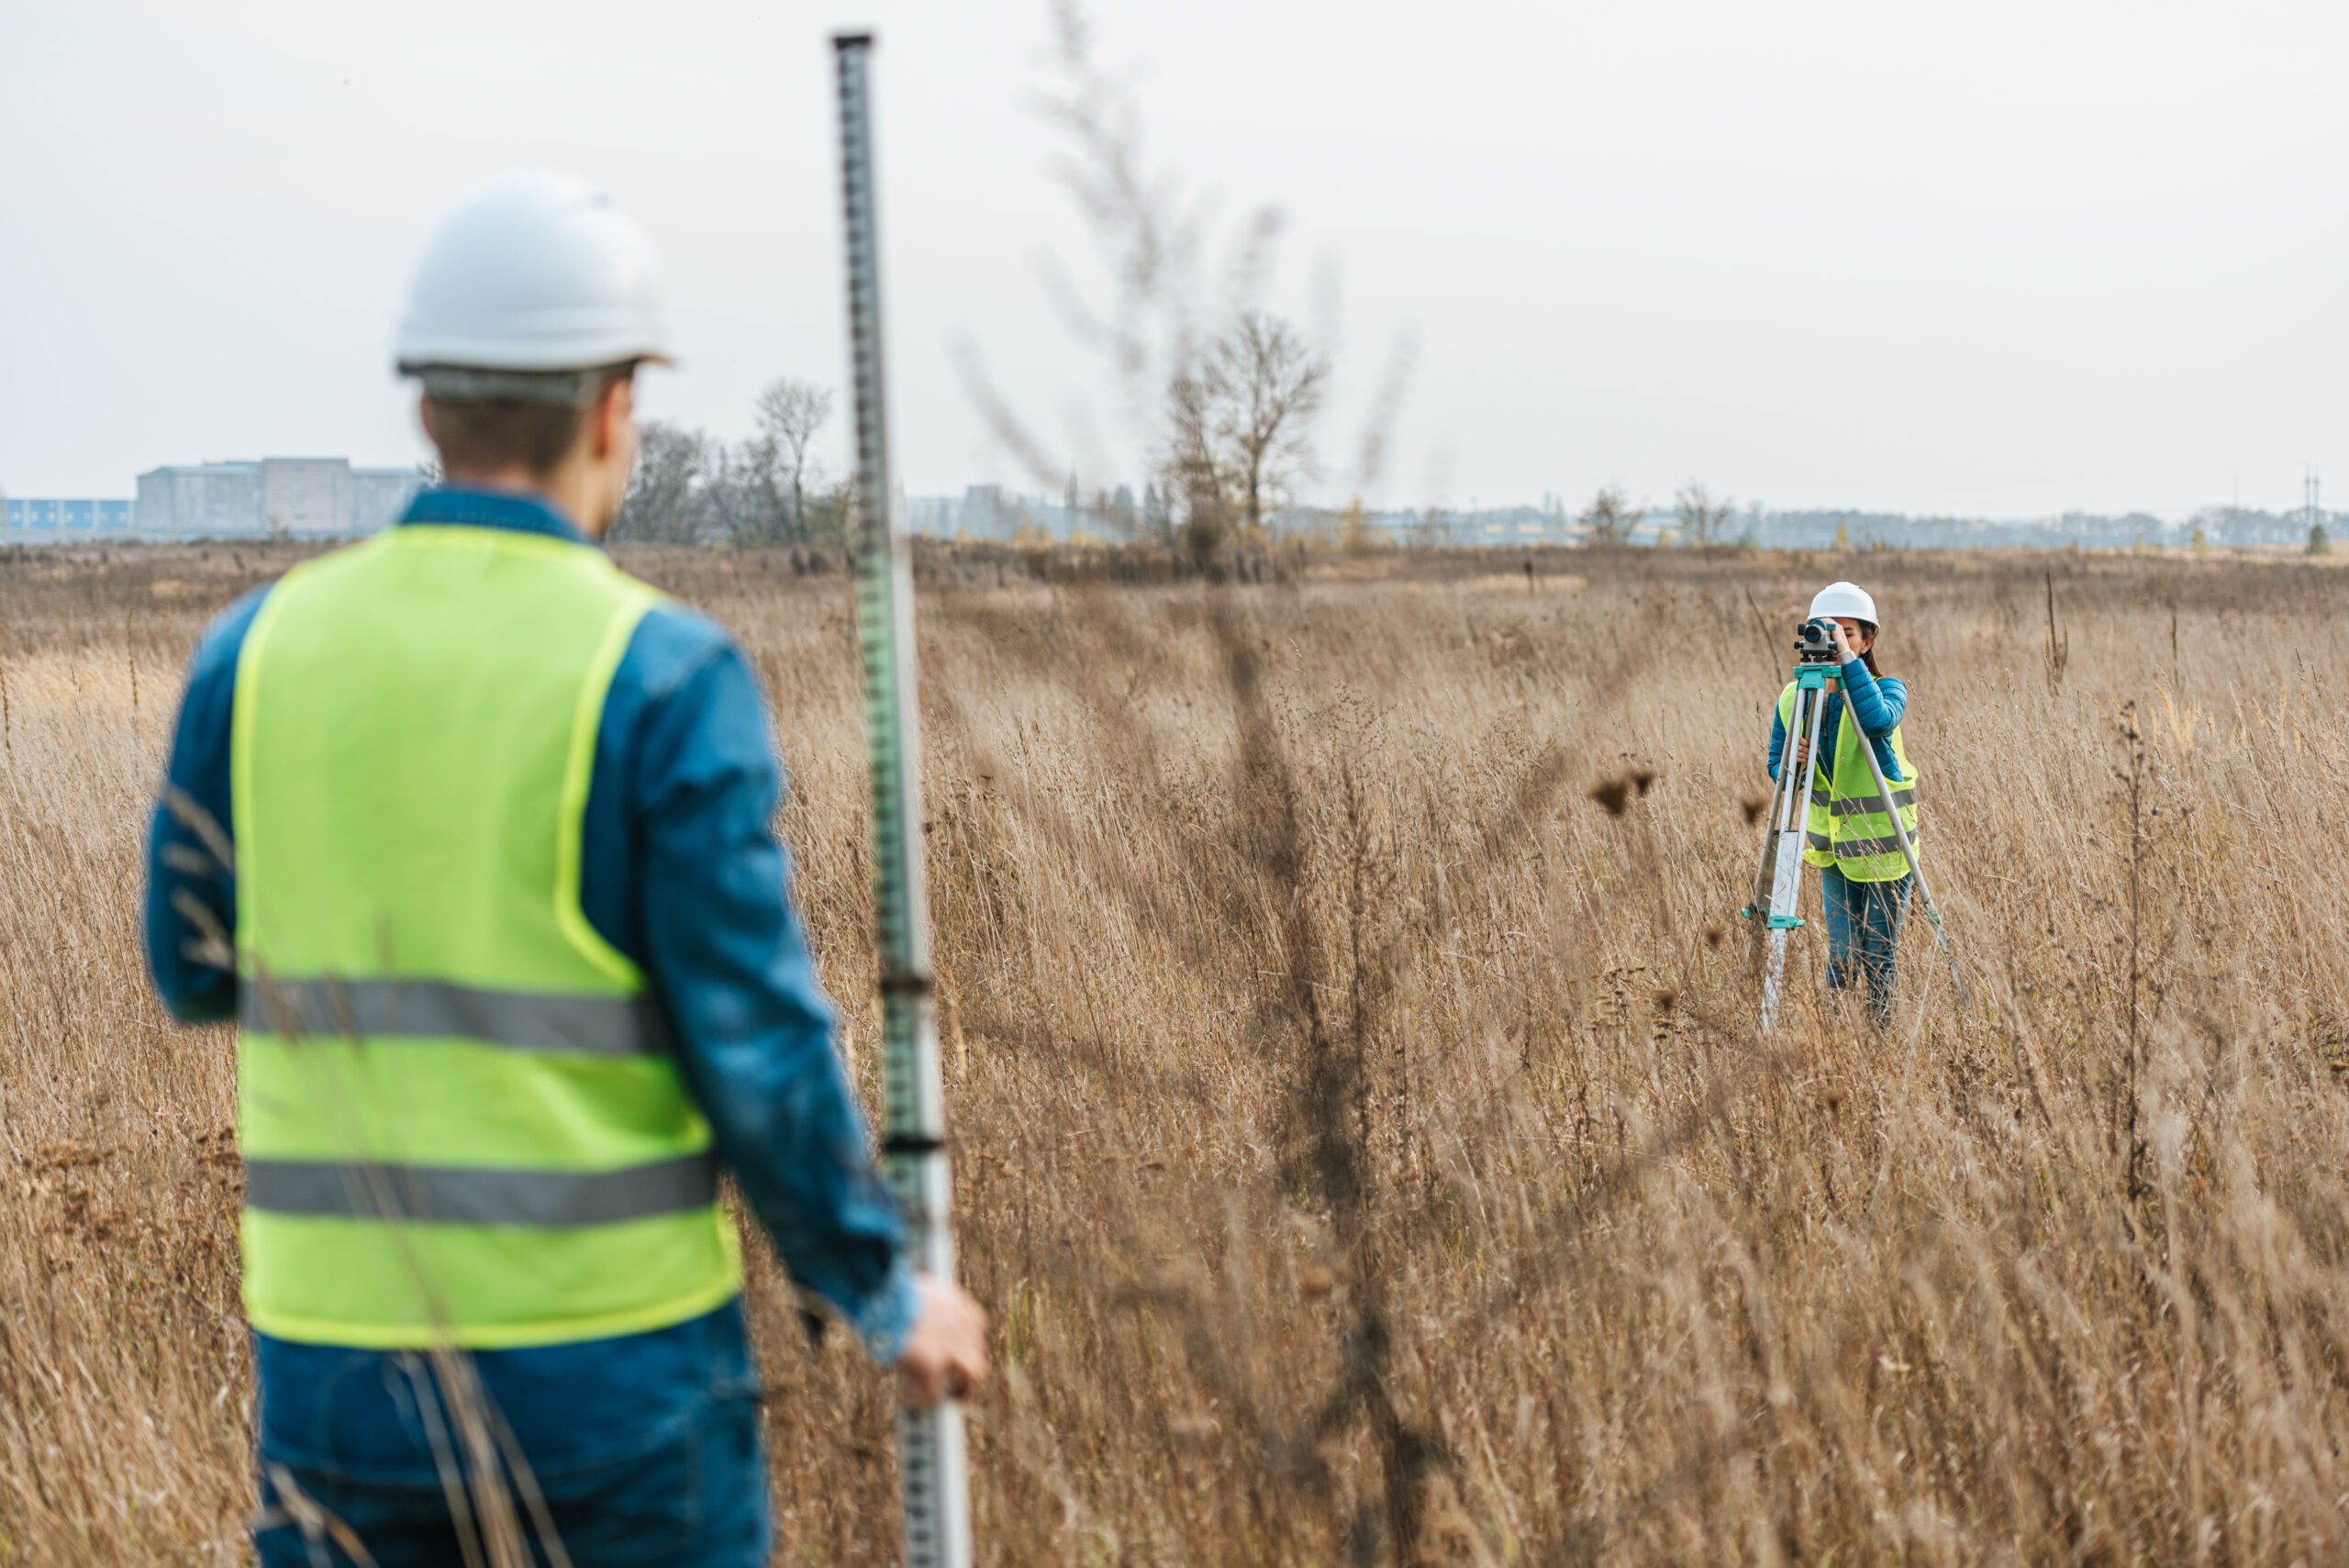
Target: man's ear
614 407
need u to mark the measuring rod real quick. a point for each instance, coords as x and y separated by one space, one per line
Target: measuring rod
935 1495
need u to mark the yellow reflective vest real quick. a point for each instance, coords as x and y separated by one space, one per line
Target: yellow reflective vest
459 1121
1846 826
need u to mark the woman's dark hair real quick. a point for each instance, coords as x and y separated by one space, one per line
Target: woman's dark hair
1868 657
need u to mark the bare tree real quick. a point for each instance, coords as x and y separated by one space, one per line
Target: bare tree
759 493
1239 428
740 494
667 495
1610 518
1175 316
769 490
1700 516
1266 383
826 522
1198 482
789 415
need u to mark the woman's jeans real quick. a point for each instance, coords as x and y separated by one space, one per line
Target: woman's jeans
1863 928
644 1449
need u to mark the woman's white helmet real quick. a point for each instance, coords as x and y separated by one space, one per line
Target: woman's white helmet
1847 599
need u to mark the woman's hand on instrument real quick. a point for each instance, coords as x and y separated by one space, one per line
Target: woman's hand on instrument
1842 643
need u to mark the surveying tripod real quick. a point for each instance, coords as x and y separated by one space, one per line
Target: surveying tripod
1778 885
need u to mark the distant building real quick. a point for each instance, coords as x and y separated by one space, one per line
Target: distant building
1511 525
378 497
39 520
306 497
988 512
983 514
212 499
305 494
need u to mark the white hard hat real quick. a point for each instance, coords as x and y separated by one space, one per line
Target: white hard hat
1844 599
539 272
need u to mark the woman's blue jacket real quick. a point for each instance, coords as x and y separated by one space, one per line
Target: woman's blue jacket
1880 705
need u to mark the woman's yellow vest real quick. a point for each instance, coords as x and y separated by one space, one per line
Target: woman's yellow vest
460 1122
1847 827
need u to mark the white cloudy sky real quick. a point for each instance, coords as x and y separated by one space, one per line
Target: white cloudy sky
2002 258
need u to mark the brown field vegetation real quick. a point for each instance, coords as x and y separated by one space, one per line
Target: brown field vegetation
1362 1136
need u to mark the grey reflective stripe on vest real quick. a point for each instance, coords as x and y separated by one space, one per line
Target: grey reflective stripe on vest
444 1195
1861 849
1861 807
435 1010
1816 840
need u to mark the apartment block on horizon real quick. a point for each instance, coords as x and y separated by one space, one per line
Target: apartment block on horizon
310 497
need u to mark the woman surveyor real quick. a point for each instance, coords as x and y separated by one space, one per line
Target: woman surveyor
1863 877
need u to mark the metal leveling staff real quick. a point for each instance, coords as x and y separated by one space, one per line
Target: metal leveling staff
1863 877
517 974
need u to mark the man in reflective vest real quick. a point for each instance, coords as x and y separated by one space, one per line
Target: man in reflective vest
517 976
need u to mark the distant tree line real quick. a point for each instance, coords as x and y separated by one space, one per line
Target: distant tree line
690 488
1698 514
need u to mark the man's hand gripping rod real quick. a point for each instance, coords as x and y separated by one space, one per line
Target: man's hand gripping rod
935 1493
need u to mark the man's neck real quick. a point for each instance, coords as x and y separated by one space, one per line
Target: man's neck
566 493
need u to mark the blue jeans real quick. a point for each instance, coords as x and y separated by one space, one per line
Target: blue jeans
1862 931
646 1448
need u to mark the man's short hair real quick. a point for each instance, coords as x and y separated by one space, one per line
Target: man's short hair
484 420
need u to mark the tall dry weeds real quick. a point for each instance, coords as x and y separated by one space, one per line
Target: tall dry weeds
1361 1133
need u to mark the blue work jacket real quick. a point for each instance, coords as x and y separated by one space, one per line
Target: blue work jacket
1880 705
680 869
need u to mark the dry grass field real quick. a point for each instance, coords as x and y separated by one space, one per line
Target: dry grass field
1362 1136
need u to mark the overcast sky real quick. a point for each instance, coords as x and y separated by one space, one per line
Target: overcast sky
2003 259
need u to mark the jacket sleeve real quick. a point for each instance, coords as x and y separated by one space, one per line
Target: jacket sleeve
725 951
1777 741
1880 705
1877 704
191 859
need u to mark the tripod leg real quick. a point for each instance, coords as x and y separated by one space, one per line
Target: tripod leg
1908 852
1757 908
1757 904
1786 890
